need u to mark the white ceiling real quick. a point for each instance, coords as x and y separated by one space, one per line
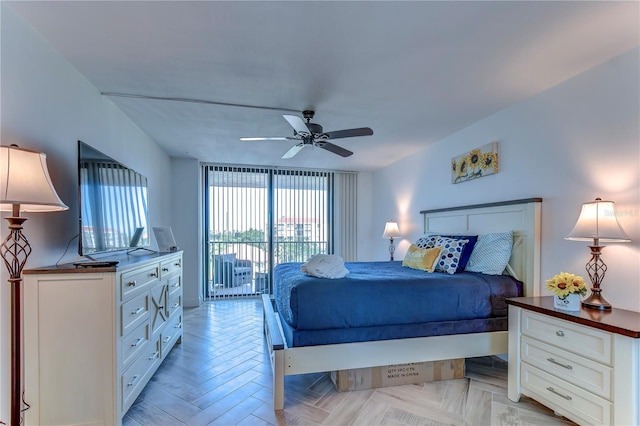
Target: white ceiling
414 72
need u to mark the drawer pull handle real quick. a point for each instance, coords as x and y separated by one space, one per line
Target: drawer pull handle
167 339
178 325
176 264
154 355
567 366
175 305
165 269
160 307
137 311
552 390
133 380
153 274
132 283
560 333
140 340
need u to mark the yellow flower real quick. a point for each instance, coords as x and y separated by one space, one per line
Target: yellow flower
565 283
475 158
489 161
463 166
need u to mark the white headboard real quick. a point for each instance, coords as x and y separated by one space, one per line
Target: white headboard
520 216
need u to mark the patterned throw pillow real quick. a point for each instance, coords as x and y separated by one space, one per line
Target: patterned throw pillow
491 253
423 259
450 254
427 241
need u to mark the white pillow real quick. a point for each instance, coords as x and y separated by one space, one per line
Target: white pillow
491 253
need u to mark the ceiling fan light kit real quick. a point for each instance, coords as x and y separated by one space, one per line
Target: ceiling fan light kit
312 134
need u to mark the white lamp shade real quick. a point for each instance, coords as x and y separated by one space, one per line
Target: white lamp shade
598 221
391 230
24 180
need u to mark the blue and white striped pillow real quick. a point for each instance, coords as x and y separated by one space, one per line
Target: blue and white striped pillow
491 253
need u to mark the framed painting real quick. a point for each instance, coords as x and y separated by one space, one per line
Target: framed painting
479 162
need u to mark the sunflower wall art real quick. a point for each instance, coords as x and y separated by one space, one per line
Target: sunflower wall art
476 163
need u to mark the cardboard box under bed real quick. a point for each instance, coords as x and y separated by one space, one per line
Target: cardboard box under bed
397 374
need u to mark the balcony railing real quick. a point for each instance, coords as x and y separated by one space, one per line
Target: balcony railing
248 270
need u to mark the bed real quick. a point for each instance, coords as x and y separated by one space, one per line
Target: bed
302 341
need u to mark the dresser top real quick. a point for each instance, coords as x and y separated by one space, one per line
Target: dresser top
619 321
124 261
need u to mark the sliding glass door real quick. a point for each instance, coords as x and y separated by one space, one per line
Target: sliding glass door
259 217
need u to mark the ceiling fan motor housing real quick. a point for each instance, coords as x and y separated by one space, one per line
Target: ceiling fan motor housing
308 114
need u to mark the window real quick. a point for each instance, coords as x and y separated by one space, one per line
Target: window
259 217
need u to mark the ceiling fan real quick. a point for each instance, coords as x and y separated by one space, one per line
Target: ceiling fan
311 134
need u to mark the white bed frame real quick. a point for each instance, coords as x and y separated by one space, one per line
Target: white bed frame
521 216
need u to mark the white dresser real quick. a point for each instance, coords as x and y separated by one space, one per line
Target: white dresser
93 337
583 365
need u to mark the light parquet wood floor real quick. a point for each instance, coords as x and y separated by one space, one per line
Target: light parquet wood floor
220 375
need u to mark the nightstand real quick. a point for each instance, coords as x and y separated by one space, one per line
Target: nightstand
584 365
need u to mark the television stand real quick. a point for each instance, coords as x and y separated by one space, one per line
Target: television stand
95 263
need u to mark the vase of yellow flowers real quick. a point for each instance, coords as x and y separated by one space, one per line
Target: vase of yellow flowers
567 289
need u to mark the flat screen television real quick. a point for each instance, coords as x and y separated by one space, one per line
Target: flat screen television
112 204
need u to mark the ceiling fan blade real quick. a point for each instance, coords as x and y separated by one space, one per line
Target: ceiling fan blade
276 138
298 125
293 151
335 149
264 139
349 133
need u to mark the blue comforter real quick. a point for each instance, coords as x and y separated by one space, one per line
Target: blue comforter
386 293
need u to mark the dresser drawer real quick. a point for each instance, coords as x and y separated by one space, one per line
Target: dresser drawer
170 334
175 283
175 303
133 313
565 398
133 379
135 342
584 341
170 266
587 374
133 282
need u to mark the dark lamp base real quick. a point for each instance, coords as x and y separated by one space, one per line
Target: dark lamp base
596 301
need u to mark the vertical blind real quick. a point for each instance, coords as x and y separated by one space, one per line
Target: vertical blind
346 214
258 217
302 211
237 215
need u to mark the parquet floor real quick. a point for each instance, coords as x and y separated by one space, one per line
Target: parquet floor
220 375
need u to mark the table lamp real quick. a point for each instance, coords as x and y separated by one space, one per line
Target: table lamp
598 223
391 231
25 186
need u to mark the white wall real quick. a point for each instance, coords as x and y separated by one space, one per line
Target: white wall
187 225
46 105
570 144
